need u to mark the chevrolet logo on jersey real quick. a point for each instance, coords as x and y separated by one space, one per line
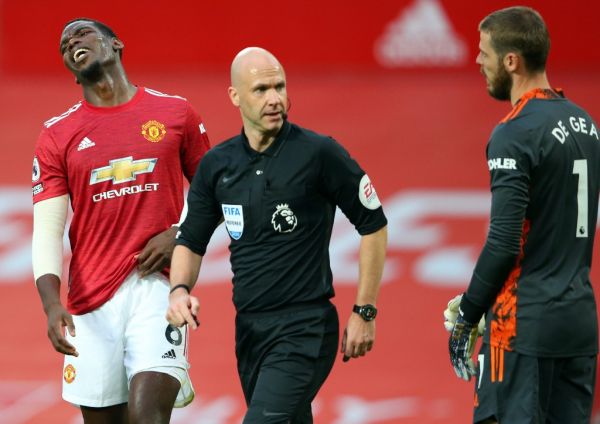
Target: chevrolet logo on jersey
122 170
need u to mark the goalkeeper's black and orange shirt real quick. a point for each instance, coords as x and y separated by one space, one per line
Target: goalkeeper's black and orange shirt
532 276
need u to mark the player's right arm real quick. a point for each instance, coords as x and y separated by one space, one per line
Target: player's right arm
511 162
49 218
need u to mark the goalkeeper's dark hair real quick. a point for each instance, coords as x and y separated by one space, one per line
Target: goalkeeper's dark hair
102 27
520 30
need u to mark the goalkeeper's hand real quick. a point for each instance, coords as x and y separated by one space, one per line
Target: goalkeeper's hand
461 345
451 313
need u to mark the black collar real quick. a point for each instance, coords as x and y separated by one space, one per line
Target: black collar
275 147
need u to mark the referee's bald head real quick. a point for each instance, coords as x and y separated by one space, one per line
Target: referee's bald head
252 61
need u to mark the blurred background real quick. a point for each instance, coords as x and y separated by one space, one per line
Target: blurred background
394 81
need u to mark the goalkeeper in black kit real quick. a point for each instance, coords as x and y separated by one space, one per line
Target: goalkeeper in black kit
531 283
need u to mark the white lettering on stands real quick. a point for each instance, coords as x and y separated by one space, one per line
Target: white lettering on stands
356 410
226 406
421 35
421 246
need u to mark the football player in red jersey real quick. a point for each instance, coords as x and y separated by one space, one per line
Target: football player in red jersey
118 156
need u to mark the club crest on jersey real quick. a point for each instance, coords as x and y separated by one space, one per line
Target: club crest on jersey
234 220
153 131
283 219
36 173
69 374
367 194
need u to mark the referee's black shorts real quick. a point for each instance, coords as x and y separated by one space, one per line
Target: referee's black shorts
283 359
512 388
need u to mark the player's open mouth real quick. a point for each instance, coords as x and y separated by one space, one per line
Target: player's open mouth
80 54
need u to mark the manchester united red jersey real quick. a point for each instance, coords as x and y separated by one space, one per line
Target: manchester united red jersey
123 169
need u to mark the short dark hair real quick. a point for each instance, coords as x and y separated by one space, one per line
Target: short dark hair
522 30
102 27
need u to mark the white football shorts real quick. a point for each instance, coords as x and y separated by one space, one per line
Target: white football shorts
127 335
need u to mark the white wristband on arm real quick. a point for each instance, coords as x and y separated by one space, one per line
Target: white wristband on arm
49 218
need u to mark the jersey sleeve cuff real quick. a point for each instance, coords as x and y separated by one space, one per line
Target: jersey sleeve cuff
470 311
198 250
373 227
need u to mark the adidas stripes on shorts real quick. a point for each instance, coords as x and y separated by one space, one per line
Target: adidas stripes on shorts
126 335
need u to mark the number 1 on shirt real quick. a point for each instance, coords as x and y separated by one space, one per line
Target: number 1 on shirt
580 168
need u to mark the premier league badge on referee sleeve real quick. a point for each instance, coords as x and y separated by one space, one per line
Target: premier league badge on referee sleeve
234 220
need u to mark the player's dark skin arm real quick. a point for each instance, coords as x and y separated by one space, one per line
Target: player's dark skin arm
48 286
157 253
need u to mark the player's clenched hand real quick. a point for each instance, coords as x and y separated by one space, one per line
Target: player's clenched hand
156 255
183 309
358 338
58 319
461 345
451 313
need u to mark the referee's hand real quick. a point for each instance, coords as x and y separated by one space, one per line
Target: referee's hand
358 338
183 309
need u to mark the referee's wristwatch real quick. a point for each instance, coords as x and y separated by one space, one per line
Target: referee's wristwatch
367 312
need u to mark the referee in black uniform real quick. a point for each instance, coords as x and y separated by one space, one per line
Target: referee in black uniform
538 360
276 186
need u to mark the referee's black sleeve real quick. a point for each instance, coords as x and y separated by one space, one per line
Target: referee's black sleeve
204 213
341 176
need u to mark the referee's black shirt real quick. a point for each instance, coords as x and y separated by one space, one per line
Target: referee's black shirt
278 207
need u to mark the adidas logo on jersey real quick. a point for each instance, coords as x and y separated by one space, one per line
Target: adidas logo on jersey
170 354
422 35
86 143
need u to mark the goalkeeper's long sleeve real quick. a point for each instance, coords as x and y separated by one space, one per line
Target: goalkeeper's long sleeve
500 252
